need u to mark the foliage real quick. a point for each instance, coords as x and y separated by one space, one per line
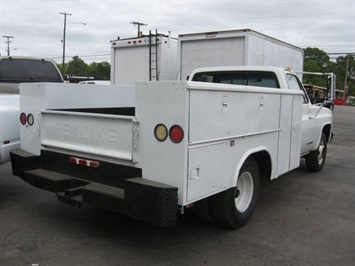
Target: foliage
100 71
316 60
77 67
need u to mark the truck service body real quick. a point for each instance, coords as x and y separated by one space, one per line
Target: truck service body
176 144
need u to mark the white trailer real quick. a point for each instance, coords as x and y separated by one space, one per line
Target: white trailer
152 57
235 48
185 143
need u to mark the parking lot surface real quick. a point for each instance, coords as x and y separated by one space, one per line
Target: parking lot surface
301 218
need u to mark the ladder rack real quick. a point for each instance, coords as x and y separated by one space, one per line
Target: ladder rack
153 56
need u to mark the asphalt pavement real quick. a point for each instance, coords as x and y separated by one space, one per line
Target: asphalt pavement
301 218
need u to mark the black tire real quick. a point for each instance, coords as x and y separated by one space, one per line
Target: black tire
227 209
315 159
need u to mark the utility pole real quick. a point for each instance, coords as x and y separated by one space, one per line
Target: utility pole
8 43
346 77
139 24
65 25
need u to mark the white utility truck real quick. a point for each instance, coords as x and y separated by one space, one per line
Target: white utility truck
160 57
202 144
9 125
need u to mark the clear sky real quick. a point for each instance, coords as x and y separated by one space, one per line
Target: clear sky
37 26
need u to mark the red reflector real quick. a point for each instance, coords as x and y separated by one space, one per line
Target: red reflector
23 118
6 142
176 134
84 162
94 164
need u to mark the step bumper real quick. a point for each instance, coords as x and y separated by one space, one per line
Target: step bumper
139 198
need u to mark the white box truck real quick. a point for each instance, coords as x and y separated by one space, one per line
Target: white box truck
159 57
151 57
235 48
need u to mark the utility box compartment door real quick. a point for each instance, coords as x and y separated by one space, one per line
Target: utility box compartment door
207 170
290 133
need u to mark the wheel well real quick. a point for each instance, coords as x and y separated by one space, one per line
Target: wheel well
326 131
263 161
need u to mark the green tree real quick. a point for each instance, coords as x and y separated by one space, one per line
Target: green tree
340 70
100 71
60 67
316 60
77 67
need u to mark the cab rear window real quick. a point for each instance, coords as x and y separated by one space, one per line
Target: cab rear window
254 78
28 70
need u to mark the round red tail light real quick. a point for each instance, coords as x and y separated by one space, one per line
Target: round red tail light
176 134
23 118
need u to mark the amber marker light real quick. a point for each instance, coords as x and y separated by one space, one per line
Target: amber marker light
160 132
30 119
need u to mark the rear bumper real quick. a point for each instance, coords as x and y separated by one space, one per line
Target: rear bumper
131 195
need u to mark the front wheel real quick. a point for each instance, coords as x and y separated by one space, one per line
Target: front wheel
315 160
235 206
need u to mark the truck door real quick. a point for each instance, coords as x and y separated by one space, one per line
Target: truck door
308 128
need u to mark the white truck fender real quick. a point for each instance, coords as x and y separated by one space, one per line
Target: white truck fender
245 157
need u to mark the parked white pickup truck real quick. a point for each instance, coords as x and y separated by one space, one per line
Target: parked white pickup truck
202 144
9 125
13 71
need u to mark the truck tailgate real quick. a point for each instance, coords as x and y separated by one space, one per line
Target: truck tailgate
89 133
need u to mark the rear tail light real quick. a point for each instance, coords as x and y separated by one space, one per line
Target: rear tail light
160 132
30 119
23 118
176 134
27 118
